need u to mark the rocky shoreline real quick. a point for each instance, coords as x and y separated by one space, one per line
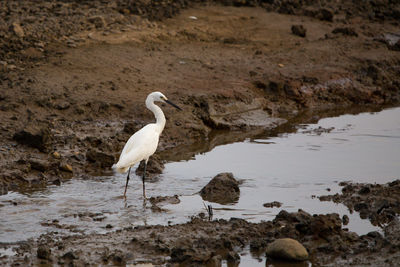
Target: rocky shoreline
204 242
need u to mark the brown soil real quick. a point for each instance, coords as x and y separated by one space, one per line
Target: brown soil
74 76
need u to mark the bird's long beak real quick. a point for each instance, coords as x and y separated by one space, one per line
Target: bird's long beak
172 104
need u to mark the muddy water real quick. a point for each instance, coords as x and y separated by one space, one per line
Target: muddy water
292 168
289 168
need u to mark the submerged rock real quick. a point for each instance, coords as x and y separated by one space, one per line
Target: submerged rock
287 249
222 189
273 204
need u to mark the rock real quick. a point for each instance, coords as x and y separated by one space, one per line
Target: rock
299 30
222 189
56 155
62 105
43 252
163 200
158 202
65 167
101 158
154 166
364 190
311 12
375 234
325 225
32 53
345 219
179 254
17 29
216 261
93 141
396 46
395 183
233 258
34 135
98 21
273 204
360 206
69 256
287 249
345 31
326 14
39 165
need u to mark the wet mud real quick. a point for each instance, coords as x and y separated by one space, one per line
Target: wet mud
73 107
201 242
379 203
74 76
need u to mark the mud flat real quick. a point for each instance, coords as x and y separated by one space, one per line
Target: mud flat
201 242
72 93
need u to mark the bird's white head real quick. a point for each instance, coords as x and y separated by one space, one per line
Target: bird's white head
158 96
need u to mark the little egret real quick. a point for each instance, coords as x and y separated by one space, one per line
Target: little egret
142 144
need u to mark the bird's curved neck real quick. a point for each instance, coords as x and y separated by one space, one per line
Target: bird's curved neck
160 118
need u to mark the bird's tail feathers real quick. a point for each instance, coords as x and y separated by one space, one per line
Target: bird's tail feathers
119 169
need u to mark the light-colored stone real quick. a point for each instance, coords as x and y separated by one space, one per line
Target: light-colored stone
17 29
66 167
287 249
56 155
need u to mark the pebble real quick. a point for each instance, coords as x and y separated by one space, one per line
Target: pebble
17 29
66 167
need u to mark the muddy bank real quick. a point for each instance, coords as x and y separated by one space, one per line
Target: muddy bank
380 203
209 242
69 105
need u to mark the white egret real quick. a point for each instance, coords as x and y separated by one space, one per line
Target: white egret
142 144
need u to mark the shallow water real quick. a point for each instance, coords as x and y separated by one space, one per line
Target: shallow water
289 168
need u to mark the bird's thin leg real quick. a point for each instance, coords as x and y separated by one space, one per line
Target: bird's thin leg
127 180
143 177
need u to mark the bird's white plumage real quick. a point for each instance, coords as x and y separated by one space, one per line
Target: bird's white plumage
144 142
140 146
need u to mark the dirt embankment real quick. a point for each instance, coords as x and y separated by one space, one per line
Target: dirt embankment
74 74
